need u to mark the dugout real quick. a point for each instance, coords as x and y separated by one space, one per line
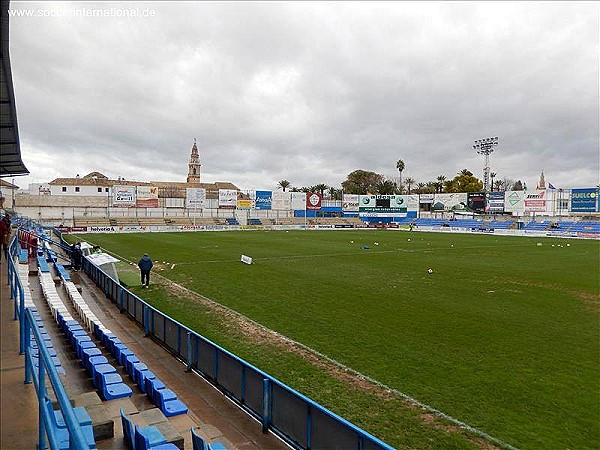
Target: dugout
106 263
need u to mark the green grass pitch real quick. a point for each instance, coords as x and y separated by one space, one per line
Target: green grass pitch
503 335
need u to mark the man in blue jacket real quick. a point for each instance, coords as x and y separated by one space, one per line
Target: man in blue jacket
145 264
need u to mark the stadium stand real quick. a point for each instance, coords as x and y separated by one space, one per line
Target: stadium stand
501 224
537 226
429 222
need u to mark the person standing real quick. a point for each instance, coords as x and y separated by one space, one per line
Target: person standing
145 265
77 256
5 234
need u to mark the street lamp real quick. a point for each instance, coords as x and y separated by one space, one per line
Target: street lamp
485 147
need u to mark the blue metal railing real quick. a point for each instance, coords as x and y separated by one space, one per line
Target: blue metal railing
298 420
45 369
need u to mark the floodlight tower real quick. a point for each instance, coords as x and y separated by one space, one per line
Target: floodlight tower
485 147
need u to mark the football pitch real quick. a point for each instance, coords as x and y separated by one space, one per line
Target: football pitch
503 336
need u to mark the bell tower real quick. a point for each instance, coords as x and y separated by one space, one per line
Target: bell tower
194 166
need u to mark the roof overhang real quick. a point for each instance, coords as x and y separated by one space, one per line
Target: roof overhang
11 163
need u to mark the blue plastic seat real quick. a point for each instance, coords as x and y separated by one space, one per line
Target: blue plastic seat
136 371
130 360
145 375
152 385
152 435
102 369
168 403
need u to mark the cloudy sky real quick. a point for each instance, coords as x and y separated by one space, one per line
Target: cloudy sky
307 91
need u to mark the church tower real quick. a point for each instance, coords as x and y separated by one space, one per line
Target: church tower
194 166
542 183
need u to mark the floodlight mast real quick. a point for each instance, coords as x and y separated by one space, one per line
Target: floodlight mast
485 147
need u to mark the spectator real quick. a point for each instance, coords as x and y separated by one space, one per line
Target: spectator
145 264
77 256
5 234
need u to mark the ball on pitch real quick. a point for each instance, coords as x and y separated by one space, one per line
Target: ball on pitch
430 271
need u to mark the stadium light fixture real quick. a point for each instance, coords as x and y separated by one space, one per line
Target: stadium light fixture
485 147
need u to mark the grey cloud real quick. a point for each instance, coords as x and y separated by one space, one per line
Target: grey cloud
310 91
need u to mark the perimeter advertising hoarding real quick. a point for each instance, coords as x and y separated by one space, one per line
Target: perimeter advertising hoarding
514 202
313 200
495 202
535 202
584 200
194 197
147 197
263 200
281 201
426 198
350 202
456 201
124 196
227 198
298 200
476 201
387 204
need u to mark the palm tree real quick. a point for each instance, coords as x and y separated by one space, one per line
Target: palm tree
400 166
321 188
421 187
440 183
409 182
492 176
283 184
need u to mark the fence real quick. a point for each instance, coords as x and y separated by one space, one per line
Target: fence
298 420
28 329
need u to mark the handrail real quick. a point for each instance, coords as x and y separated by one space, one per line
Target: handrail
46 365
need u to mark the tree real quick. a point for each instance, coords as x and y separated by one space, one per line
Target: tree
283 184
518 186
335 194
440 183
361 182
320 188
386 187
465 182
409 182
421 188
400 166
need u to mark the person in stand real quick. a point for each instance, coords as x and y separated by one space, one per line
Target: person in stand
145 265
77 256
5 234
97 249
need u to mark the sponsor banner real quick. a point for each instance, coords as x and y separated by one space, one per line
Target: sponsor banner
298 200
147 197
476 201
514 202
108 229
411 202
389 204
281 201
584 200
195 197
227 198
495 202
244 203
313 200
263 200
455 201
535 201
124 196
350 202
426 198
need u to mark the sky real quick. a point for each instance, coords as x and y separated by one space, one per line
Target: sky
307 91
